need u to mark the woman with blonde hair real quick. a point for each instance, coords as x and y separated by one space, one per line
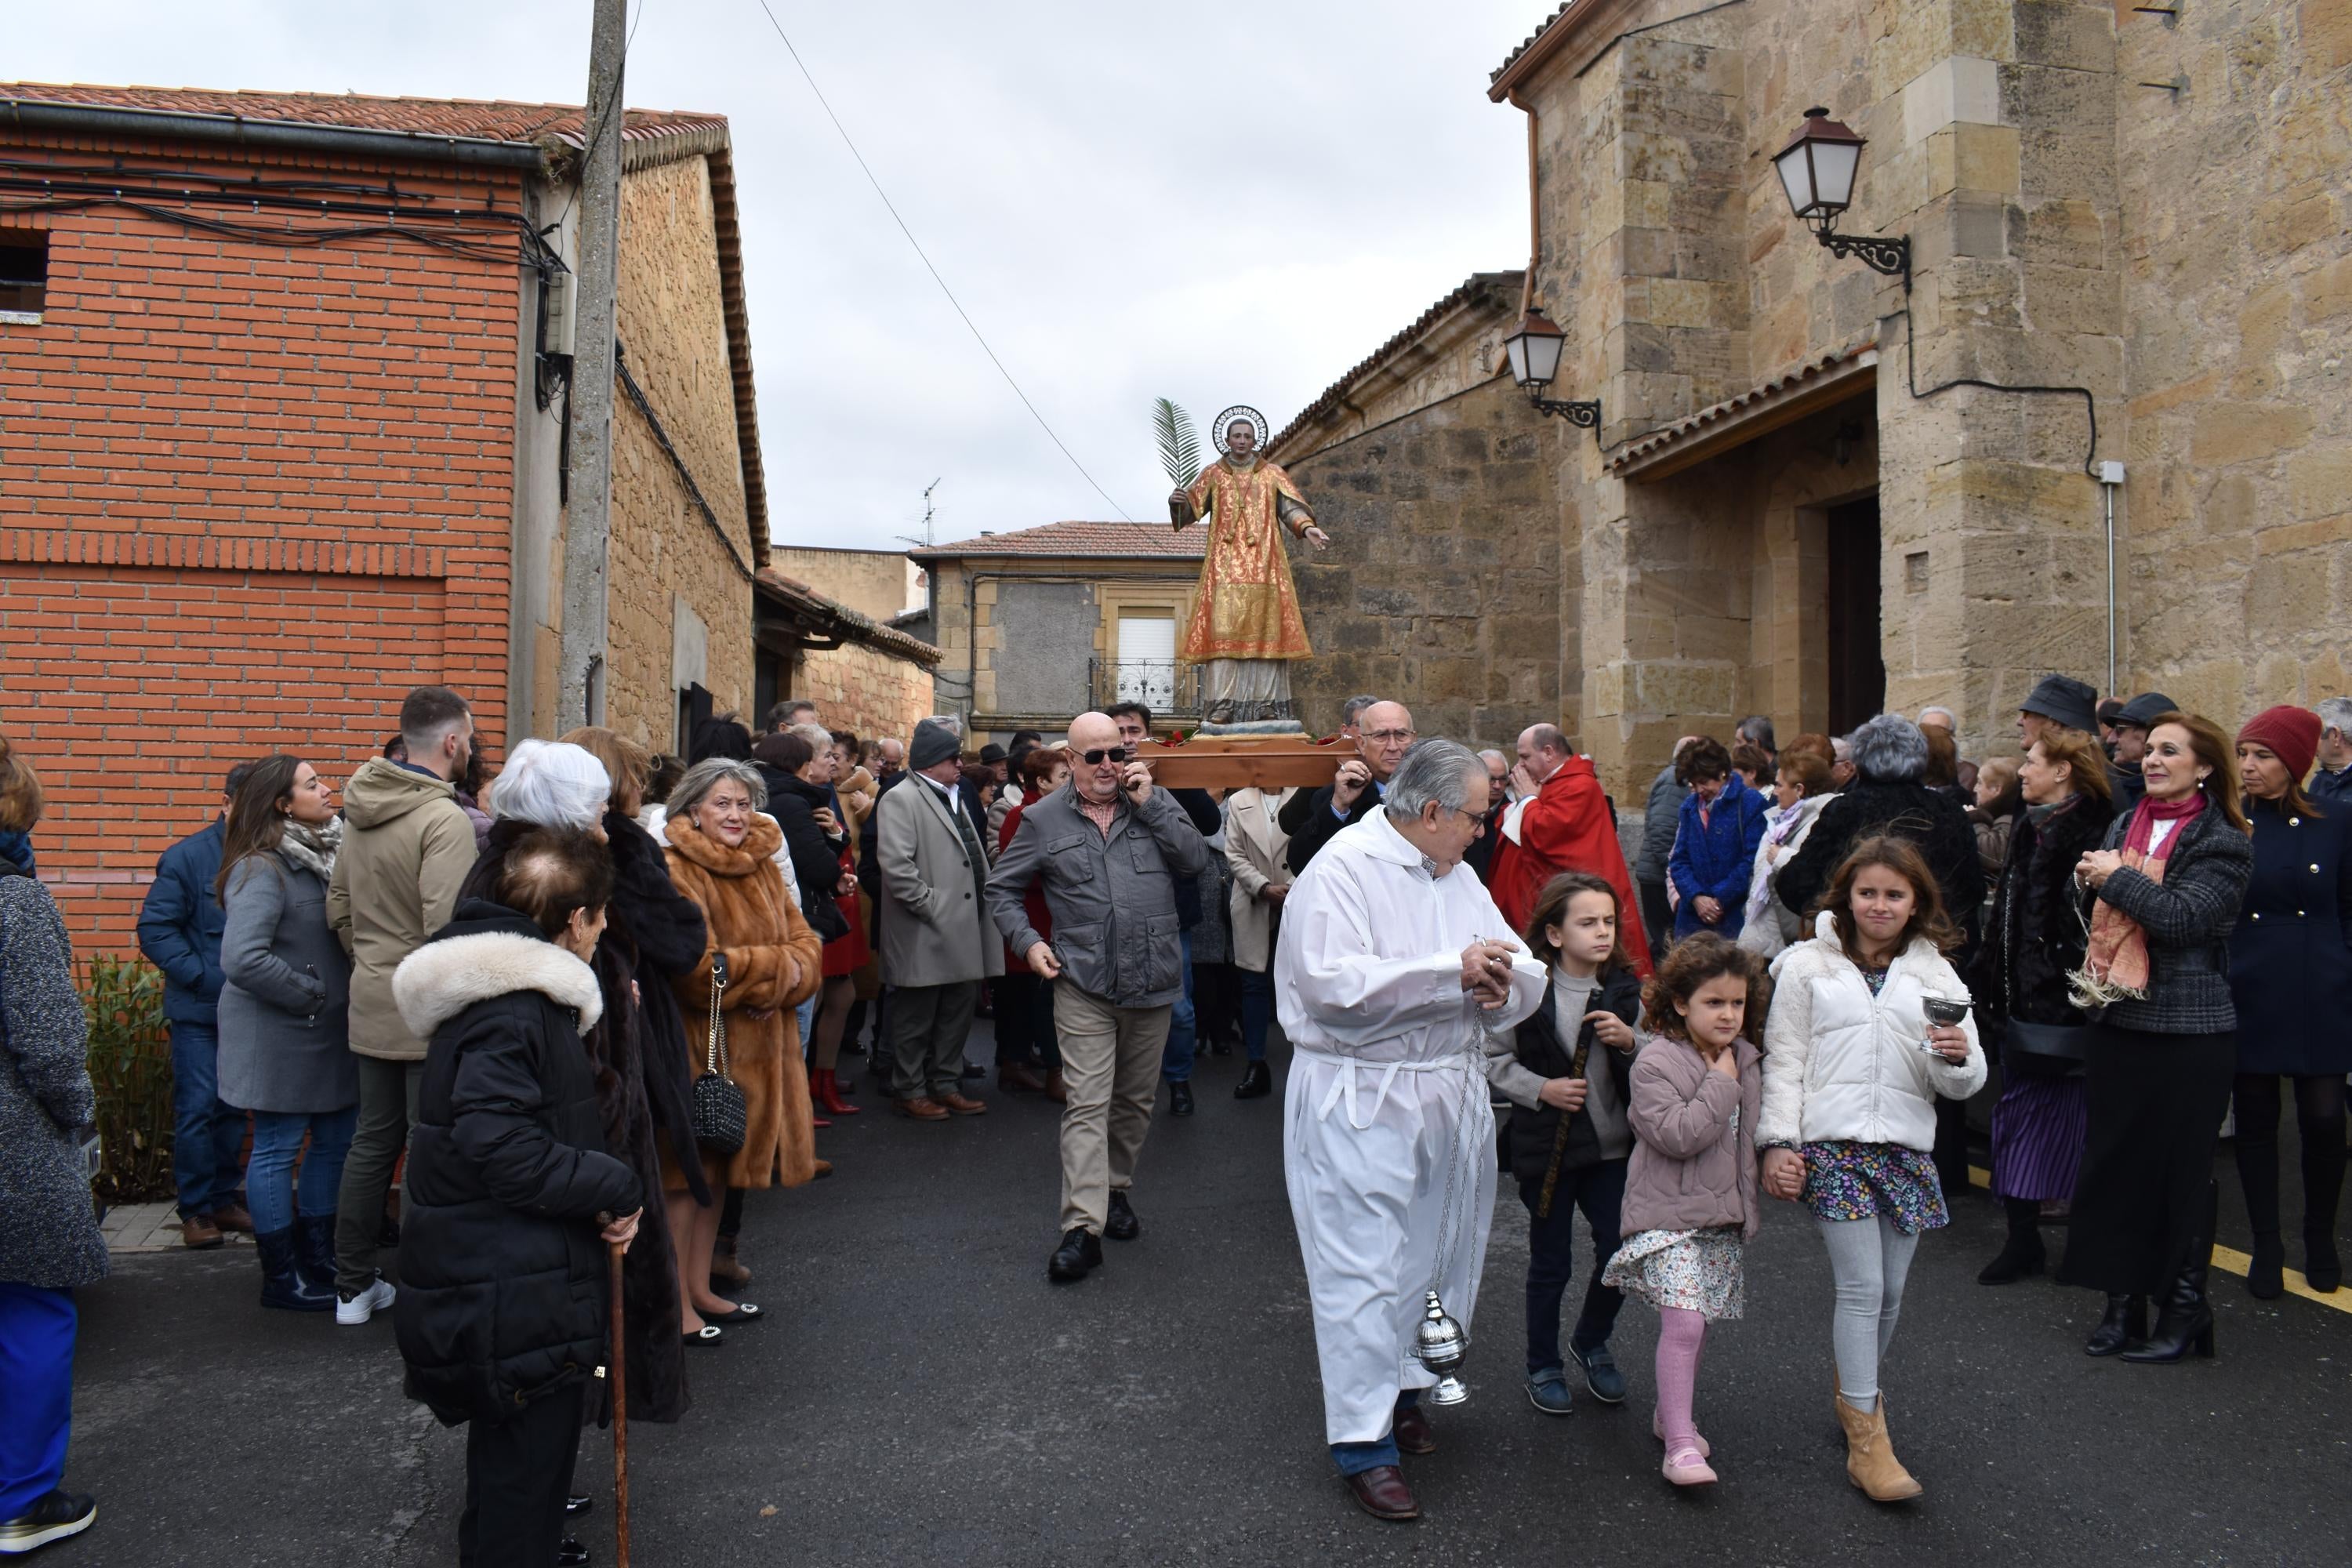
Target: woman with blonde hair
762 960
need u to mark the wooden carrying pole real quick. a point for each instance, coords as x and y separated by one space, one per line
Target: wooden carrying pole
619 1361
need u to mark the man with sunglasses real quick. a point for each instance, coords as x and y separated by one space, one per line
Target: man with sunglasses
1384 735
1110 850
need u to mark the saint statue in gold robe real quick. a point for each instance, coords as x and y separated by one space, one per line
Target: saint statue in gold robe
1245 625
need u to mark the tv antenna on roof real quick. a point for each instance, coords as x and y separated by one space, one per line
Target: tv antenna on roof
928 509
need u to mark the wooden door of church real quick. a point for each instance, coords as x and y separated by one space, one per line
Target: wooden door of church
1857 667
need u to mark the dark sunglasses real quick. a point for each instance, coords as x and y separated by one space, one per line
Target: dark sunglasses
1101 755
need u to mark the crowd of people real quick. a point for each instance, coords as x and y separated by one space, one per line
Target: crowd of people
501 1027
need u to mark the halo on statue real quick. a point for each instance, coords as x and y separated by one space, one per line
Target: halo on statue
1240 410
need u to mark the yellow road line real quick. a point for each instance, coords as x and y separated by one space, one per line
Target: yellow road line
2230 1260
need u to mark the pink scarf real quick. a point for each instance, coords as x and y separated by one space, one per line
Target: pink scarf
2115 964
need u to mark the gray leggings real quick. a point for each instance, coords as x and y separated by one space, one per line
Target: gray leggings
1868 1260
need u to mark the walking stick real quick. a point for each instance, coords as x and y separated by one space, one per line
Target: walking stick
620 1420
1560 1143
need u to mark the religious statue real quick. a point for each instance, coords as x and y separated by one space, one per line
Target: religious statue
1246 625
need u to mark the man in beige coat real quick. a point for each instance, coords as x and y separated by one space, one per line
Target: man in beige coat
407 846
938 943
1256 848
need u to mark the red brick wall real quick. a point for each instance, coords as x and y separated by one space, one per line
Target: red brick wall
248 495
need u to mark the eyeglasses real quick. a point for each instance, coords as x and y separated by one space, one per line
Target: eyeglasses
1390 737
1102 754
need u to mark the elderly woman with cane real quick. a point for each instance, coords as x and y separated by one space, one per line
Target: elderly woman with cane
511 1199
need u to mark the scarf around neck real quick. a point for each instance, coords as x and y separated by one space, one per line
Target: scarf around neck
2115 963
310 848
19 848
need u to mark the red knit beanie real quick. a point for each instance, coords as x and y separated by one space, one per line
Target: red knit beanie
2291 733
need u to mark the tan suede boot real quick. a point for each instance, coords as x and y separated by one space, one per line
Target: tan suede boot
1870 1461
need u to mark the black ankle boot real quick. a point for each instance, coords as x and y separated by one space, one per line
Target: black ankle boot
314 1250
2023 1254
2185 1321
2322 1269
2266 1273
2184 1324
282 1285
2123 1327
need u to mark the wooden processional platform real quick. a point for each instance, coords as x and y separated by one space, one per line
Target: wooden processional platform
1270 762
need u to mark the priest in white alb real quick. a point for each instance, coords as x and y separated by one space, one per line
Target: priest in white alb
1393 963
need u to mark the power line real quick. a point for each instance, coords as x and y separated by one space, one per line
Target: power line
934 272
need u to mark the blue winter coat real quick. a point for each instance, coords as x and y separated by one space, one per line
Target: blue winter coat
1718 859
2291 952
180 927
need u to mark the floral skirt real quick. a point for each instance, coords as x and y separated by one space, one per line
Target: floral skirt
1860 1181
1697 1271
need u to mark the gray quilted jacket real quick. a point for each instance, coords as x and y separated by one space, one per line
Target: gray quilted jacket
48 1230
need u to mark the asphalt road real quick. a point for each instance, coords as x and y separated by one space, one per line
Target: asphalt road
922 1395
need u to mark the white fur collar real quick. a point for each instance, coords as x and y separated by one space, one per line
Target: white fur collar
442 979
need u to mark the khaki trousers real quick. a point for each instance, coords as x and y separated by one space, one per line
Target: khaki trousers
1110 1064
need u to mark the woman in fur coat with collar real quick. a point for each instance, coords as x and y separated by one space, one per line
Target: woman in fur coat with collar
720 856
511 1199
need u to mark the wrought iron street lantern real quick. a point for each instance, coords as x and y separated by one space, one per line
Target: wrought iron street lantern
1817 169
1534 351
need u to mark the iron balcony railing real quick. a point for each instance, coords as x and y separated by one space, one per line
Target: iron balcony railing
1170 688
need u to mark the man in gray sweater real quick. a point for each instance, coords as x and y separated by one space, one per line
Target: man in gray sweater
1110 848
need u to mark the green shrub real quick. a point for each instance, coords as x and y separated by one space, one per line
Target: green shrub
130 1064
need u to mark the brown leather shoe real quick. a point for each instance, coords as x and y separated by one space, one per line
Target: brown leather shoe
232 1216
921 1108
963 1104
1413 1432
1382 1492
1018 1078
198 1233
1055 1089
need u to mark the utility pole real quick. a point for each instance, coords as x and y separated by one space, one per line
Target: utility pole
588 523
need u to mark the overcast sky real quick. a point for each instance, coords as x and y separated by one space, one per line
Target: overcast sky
1214 204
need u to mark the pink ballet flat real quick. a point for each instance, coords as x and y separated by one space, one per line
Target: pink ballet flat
1687 1467
1706 1450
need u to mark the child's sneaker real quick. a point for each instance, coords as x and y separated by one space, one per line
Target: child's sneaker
358 1308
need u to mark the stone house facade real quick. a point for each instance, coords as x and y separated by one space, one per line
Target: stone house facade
268 459
1814 491
864 674
1038 624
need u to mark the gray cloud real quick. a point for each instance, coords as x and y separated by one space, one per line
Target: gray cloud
1232 207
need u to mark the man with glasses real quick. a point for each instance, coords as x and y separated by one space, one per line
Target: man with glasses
1351 713
1391 965
1384 735
1110 850
1134 721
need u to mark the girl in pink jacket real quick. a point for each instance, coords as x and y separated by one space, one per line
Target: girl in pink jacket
1691 1197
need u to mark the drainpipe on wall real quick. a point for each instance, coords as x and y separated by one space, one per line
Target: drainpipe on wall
1534 208
2111 478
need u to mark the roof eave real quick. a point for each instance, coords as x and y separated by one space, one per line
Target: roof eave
91 119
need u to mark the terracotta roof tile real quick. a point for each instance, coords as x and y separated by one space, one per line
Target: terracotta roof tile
1104 540
1675 431
834 618
1530 41
484 120
1477 287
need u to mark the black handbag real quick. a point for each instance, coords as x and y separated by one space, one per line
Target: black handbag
2044 1050
720 1119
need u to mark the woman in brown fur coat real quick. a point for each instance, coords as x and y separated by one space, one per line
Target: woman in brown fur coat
719 856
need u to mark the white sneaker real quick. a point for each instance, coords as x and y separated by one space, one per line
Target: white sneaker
359 1308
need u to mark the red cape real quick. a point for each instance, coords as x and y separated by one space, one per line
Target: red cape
1566 827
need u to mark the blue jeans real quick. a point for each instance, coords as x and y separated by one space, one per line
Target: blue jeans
805 1013
277 1140
1257 1011
37 1350
1599 1191
1355 1459
1176 1060
208 1137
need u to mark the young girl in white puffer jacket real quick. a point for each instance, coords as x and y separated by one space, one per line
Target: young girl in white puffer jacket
1852 1069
